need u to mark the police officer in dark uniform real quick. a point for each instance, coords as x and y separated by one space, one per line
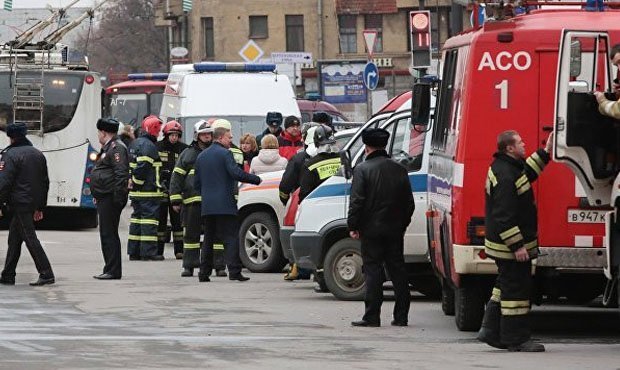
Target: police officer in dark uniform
23 187
380 210
170 148
511 240
323 165
108 184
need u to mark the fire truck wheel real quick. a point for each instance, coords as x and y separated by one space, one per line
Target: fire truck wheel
469 305
259 243
447 298
342 270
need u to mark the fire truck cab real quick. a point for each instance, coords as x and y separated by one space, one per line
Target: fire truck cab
503 76
587 141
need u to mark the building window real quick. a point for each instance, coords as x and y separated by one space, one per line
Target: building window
348 33
294 32
258 27
209 43
375 22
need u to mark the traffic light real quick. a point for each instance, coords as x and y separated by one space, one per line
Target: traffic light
420 26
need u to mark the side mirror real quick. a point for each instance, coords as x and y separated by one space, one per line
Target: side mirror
345 160
421 104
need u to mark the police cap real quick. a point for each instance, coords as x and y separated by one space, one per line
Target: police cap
375 137
107 124
17 129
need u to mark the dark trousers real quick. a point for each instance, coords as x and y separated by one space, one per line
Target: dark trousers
165 208
21 231
506 316
376 253
191 239
143 227
226 229
109 218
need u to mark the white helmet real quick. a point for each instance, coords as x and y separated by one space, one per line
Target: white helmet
202 127
222 123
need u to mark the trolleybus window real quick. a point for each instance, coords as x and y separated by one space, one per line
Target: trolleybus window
442 127
61 95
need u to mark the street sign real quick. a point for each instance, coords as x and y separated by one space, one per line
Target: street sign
291 57
251 52
370 36
179 52
371 76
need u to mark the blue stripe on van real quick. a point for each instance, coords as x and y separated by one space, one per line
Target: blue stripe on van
418 184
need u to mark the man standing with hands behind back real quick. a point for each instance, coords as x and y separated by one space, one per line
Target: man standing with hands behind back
108 184
379 212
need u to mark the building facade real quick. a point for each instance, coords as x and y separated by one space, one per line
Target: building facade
217 30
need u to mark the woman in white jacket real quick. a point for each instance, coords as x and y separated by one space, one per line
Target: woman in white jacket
268 158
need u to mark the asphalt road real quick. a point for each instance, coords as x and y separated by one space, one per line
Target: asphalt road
153 319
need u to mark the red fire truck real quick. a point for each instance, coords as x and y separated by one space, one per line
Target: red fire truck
140 95
503 76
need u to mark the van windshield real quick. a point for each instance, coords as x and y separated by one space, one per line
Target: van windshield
241 125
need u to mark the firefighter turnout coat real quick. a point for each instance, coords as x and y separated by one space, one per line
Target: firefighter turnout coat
511 215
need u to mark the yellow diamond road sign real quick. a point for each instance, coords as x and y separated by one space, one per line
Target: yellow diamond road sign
251 52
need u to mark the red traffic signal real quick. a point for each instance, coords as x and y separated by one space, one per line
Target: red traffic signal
420 30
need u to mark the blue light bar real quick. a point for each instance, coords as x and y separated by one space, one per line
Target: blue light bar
234 67
148 76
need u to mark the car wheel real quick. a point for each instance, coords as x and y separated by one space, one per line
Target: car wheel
259 243
447 298
342 270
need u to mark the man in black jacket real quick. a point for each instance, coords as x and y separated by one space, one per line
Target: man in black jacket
23 186
108 184
512 241
380 210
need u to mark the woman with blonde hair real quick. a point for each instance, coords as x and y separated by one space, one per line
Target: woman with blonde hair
248 146
268 158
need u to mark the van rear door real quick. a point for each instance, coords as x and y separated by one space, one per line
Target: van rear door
586 141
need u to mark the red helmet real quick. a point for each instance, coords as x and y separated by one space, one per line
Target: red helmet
173 127
152 125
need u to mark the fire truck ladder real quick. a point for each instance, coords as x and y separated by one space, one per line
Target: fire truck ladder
28 97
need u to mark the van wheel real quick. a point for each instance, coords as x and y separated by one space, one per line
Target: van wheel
469 305
259 243
342 270
447 298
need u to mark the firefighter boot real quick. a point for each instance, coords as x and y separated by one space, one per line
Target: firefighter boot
528 346
489 331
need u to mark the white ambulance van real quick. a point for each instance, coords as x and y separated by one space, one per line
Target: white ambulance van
242 93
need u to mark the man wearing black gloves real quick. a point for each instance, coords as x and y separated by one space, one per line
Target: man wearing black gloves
24 184
379 213
108 184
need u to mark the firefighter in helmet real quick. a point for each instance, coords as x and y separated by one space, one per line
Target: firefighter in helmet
321 166
169 148
145 192
182 193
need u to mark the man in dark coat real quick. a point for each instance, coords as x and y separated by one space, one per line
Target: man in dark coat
24 184
380 210
274 126
108 184
216 175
